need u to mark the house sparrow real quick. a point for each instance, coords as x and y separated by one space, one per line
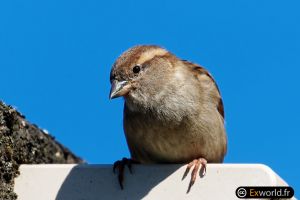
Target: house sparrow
173 111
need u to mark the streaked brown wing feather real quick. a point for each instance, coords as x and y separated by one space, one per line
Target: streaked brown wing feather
201 70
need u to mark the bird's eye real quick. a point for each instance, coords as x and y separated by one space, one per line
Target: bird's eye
136 69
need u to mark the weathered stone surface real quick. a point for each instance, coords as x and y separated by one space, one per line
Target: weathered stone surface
24 143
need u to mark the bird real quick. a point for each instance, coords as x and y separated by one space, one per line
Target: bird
173 110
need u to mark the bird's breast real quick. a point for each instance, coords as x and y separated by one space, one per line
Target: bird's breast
160 139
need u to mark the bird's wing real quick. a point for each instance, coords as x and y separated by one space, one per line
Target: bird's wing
198 70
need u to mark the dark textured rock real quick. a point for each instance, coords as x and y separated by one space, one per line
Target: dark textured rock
24 143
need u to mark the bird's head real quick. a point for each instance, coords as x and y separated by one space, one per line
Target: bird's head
139 72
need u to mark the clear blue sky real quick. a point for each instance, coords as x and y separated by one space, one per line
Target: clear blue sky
55 59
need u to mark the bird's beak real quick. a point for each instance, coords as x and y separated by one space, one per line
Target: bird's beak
119 88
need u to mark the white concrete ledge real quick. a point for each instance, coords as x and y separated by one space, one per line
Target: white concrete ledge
90 182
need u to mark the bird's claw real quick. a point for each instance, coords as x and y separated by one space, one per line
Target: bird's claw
119 166
196 163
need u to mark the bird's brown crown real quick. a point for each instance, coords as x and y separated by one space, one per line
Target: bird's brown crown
135 56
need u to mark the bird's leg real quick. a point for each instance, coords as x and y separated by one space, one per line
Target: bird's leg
119 166
196 163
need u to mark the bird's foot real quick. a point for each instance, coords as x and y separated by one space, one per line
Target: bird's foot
119 167
196 163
